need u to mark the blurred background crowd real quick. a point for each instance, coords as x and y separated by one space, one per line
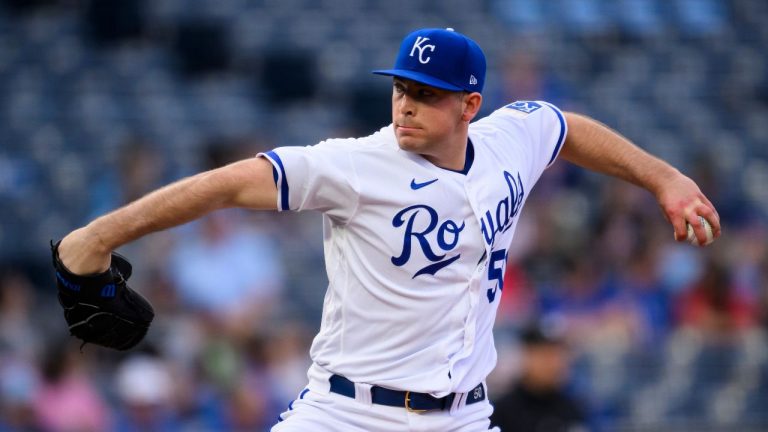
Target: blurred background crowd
102 101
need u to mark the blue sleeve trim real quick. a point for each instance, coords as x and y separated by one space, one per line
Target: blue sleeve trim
560 138
281 179
301 396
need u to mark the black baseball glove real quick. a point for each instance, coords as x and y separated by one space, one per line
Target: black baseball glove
100 308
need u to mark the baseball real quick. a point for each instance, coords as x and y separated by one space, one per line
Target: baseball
692 239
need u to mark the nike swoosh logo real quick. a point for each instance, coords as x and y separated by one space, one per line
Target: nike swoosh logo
416 186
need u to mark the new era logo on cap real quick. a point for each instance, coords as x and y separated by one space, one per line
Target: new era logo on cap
440 58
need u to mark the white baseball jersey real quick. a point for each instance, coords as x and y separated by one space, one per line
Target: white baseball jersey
415 254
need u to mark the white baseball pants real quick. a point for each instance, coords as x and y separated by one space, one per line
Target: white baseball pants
330 412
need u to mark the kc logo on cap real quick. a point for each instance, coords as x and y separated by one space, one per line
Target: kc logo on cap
418 45
440 58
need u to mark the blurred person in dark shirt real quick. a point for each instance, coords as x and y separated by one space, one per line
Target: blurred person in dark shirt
537 401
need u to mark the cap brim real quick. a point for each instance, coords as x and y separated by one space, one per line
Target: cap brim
419 77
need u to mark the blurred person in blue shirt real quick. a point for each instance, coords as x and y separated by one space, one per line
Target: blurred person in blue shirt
227 270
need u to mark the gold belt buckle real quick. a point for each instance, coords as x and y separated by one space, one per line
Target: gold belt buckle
408 404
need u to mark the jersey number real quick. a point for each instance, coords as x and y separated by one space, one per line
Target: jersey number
496 272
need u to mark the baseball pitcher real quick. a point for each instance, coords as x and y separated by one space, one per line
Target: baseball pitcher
418 221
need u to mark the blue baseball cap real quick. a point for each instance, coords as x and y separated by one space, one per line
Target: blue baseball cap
440 58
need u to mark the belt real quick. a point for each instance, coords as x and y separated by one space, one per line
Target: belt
411 401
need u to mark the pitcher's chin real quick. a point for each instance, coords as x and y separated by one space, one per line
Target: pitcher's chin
408 144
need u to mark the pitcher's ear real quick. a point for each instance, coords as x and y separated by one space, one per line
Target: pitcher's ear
472 102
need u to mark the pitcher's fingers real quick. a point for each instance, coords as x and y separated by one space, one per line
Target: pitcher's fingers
697 223
710 214
679 224
711 206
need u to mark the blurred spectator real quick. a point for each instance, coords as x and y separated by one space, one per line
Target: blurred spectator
19 344
68 401
523 77
235 387
538 401
226 265
145 387
288 359
590 309
627 217
763 293
247 409
19 383
227 270
678 266
255 403
744 258
17 334
646 298
141 168
518 298
713 307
